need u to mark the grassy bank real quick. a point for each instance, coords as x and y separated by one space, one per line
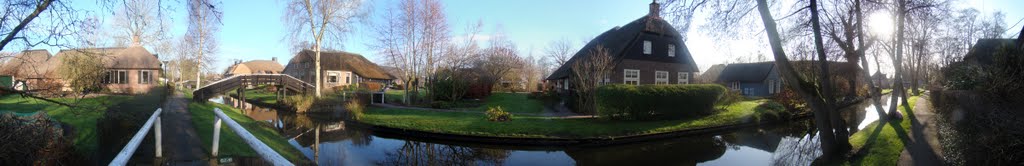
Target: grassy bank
259 95
233 145
82 118
882 146
541 127
512 102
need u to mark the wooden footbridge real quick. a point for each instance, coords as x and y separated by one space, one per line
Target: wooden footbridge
283 82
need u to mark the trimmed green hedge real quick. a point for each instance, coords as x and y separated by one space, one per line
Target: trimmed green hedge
649 102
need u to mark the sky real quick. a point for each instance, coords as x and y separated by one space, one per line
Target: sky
254 30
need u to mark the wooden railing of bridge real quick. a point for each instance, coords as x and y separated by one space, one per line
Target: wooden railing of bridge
284 82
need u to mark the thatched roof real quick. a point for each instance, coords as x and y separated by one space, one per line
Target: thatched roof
619 39
118 57
982 51
746 72
31 64
339 60
256 66
712 73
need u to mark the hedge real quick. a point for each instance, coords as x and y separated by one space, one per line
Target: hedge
651 102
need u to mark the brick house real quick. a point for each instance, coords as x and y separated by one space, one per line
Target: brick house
35 69
128 70
647 50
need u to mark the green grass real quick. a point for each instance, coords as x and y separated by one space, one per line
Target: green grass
541 127
83 118
260 95
886 91
884 146
233 145
512 102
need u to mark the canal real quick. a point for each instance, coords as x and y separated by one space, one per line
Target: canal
327 140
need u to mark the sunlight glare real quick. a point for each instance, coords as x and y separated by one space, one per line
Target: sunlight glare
880 24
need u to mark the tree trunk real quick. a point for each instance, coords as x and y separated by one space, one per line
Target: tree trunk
898 89
317 68
841 133
801 87
876 95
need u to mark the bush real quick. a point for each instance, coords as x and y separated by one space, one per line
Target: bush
497 114
647 102
789 99
729 97
300 103
356 108
771 111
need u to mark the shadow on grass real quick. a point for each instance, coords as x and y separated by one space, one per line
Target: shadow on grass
918 147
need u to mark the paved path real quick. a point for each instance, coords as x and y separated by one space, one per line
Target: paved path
181 143
924 148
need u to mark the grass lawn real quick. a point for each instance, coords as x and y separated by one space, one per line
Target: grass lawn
233 145
882 146
512 102
82 118
541 127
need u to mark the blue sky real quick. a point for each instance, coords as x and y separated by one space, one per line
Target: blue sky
254 30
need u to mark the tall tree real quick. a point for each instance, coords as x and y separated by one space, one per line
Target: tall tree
19 23
141 22
413 38
204 22
322 19
558 52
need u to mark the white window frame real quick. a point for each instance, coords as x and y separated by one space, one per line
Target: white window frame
336 76
771 87
348 78
658 80
735 86
647 47
626 76
671 50
684 78
145 76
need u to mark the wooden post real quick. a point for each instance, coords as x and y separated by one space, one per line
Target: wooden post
216 136
159 138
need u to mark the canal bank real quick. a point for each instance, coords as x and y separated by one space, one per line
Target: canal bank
331 140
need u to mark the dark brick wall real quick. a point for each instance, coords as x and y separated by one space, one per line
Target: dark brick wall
647 69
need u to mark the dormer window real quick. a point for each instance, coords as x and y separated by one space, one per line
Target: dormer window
671 50
647 47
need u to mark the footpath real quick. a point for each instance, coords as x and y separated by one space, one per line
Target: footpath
182 143
924 148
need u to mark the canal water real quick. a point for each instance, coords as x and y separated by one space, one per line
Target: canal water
327 140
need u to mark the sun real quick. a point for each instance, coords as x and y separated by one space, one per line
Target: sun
880 24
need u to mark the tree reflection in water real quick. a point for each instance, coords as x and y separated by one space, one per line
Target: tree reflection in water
421 153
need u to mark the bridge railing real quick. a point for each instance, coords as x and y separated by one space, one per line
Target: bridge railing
265 151
129 149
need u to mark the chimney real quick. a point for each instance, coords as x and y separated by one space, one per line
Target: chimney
135 40
273 59
655 9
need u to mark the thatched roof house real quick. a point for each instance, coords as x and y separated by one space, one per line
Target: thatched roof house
647 50
338 68
255 67
128 69
31 64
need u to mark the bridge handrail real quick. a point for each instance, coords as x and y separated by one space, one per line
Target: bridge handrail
265 151
234 76
129 149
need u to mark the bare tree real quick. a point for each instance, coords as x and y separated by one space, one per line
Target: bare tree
500 58
414 38
322 19
204 22
558 52
587 74
141 22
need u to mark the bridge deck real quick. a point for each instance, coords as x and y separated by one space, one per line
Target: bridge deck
286 82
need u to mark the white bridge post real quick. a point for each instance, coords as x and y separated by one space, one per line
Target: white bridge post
159 138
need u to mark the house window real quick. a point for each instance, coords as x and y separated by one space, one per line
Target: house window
671 50
348 78
684 78
117 77
735 86
778 86
332 78
647 47
145 76
660 77
631 76
771 86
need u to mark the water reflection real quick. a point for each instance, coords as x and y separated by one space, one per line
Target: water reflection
328 140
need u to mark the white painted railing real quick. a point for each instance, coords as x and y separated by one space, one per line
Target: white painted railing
265 151
129 149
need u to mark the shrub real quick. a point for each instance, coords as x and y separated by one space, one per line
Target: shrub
647 102
300 103
497 114
770 111
729 97
355 107
789 99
